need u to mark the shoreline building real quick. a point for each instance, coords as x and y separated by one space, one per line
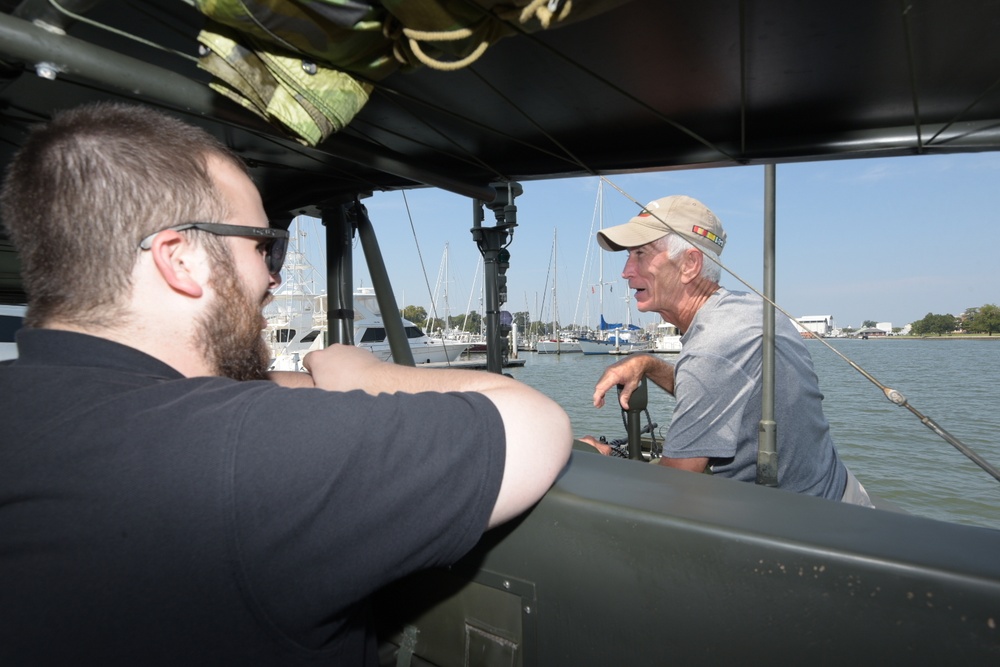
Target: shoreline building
817 325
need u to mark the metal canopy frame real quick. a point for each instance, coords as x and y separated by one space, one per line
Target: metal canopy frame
649 84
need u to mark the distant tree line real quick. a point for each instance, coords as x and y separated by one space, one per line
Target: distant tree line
984 319
472 322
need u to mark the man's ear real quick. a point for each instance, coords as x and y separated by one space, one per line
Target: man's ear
691 264
175 259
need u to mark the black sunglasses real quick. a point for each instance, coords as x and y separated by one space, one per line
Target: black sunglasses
277 239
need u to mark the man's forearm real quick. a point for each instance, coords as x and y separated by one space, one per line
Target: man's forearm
390 378
661 373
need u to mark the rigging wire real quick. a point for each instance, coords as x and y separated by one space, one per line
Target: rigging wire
466 156
892 395
567 154
121 33
960 114
472 291
563 151
420 255
545 287
911 68
299 150
423 267
586 259
611 85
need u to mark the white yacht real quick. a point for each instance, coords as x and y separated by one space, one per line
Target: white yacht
668 339
291 333
369 333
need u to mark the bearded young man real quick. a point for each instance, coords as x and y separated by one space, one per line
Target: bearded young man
163 503
717 377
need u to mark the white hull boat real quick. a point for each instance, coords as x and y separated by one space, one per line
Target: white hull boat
612 345
566 346
668 339
292 336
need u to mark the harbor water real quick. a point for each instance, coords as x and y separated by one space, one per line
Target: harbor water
896 457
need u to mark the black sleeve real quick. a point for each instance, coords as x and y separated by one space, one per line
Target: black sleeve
336 494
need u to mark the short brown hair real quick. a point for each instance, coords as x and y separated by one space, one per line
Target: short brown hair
85 188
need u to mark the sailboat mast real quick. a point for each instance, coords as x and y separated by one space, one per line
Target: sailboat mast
555 274
600 255
447 307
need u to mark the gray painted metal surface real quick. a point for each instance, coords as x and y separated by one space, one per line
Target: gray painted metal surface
628 563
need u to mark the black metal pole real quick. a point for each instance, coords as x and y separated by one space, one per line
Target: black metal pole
399 344
767 447
492 243
339 276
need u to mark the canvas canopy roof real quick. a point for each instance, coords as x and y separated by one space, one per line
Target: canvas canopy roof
635 85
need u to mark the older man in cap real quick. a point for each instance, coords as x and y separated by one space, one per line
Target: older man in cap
717 376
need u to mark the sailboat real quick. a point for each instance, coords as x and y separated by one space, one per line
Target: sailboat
613 338
557 343
474 341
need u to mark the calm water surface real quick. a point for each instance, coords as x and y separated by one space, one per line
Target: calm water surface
895 456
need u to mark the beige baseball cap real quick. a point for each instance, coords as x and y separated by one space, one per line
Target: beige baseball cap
679 214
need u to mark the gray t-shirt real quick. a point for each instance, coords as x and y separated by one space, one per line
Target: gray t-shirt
717 383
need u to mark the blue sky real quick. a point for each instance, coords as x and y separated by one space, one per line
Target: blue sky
887 239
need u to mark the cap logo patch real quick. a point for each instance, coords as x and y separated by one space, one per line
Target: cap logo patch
714 238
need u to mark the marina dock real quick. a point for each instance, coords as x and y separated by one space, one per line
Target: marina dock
477 363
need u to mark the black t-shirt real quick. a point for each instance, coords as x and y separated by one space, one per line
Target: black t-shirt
147 518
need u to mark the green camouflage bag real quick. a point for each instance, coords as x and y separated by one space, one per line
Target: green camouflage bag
310 65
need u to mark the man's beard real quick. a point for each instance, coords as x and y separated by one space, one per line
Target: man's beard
230 332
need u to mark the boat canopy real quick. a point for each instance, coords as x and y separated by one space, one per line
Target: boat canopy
619 86
618 325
